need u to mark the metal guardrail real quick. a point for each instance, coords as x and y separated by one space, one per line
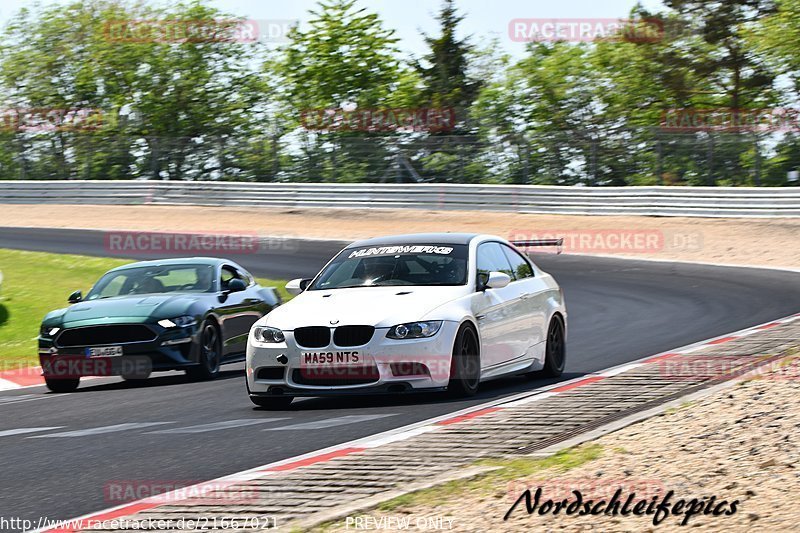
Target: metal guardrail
656 201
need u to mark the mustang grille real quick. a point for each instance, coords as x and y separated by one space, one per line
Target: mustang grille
352 335
313 336
100 335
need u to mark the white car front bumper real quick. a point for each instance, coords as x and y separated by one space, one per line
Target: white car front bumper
384 365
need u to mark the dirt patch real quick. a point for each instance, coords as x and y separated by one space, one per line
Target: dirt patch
766 242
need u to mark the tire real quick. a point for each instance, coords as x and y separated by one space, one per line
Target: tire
62 385
465 366
210 353
555 351
272 402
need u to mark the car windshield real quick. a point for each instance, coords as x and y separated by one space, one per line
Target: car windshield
406 264
154 280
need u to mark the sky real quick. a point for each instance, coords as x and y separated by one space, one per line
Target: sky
485 19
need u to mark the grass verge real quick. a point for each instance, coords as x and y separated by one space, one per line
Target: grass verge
35 283
507 470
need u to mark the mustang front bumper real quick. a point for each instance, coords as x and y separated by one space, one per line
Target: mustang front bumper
169 350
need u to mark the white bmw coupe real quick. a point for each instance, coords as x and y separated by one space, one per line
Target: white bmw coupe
408 313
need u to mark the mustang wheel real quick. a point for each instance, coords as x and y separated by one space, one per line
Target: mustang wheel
62 385
555 352
210 353
465 368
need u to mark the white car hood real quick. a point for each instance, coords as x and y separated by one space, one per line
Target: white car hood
369 306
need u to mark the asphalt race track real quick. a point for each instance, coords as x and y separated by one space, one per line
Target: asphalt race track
62 453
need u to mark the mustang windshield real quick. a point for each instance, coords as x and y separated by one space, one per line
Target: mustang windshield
406 264
154 280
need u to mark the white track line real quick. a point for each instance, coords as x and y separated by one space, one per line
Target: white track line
10 385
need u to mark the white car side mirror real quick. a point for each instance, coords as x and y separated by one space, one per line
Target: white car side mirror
497 280
296 286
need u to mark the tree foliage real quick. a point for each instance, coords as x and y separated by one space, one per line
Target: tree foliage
562 113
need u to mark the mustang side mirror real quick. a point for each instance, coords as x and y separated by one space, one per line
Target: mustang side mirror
296 286
236 285
497 280
75 297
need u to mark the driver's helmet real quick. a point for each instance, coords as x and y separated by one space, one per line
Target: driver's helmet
378 268
149 284
454 271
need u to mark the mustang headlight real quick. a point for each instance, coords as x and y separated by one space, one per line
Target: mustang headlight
415 330
48 331
267 334
177 322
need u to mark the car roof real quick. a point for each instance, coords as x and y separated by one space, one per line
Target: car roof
416 238
210 261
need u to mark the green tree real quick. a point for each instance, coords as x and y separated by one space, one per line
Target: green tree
778 37
345 56
444 70
182 99
447 82
534 114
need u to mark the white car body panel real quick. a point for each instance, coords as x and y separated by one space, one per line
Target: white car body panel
511 323
378 306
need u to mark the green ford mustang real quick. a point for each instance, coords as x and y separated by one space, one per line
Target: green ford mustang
190 313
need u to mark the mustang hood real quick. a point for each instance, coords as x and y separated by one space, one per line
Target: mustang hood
369 306
141 307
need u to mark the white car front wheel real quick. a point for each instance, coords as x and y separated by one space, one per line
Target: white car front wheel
465 366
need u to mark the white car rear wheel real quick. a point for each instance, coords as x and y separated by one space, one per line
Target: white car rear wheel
555 352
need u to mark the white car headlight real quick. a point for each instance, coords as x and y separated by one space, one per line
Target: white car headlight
415 330
267 334
177 322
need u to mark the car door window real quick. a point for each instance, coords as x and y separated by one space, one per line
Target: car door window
246 277
229 273
492 259
522 269
113 287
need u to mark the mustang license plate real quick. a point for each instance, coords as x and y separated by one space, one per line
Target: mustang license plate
104 351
